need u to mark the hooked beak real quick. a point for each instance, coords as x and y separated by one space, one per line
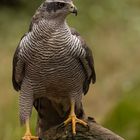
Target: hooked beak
73 9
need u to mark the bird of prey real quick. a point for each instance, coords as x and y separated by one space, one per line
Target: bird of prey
53 61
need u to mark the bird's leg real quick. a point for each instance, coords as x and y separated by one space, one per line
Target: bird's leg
28 135
73 119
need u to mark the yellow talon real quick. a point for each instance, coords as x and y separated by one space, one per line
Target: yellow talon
28 135
73 119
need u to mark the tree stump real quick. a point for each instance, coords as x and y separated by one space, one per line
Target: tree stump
94 132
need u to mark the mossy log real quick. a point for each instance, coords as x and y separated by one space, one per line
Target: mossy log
94 132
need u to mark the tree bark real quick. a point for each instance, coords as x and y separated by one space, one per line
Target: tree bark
94 132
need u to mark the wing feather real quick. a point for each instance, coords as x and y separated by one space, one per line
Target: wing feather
87 63
18 69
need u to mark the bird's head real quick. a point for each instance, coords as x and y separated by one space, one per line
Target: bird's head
58 8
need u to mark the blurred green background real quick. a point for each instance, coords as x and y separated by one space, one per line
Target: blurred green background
112 29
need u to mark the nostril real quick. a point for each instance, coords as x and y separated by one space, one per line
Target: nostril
71 7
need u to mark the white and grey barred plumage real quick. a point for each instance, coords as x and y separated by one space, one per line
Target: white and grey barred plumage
52 61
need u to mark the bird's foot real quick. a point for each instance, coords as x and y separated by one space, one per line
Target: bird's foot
28 136
73 119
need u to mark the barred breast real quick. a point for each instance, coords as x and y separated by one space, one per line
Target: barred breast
52 62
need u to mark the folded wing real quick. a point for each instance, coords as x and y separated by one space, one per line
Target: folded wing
87 63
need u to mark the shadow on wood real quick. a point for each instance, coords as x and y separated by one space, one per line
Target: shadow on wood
95 132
